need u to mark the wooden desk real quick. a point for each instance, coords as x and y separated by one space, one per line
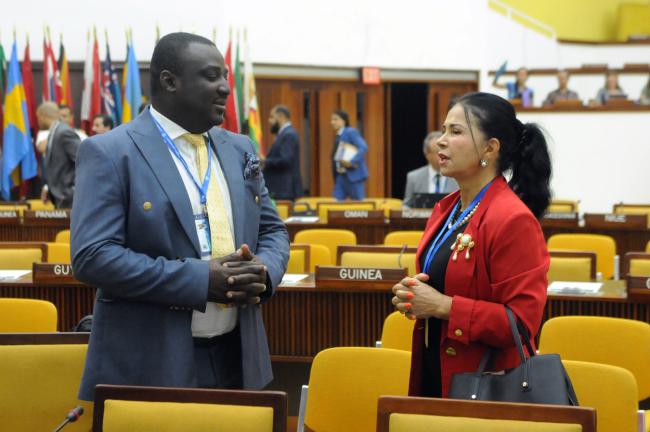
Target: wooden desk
39 226
302 319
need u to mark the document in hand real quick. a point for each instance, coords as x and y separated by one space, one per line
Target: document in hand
345 152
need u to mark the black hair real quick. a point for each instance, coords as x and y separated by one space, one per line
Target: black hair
167 55
107 120
282 109
344 116
523 147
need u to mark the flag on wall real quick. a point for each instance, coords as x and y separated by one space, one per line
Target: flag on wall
132 89
91 103
251 111
51 78
230 119
111 92
66 91
28 85
18 159
2 85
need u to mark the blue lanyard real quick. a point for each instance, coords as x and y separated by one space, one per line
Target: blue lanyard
445 231
203 189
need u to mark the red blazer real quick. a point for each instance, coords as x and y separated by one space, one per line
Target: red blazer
508 265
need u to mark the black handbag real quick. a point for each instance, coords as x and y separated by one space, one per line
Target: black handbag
539 379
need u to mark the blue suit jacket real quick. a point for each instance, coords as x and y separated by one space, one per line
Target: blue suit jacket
352 136
144 259
282 166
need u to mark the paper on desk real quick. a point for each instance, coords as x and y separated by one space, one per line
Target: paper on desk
13 274
575 287
290 278
303 219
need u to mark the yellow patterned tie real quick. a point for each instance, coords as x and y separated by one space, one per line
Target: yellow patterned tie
222 242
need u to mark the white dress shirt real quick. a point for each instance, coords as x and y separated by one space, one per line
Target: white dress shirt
216 320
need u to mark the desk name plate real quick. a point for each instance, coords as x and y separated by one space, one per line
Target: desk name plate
348 215
629 221
638 282
53 274
47 217
329 276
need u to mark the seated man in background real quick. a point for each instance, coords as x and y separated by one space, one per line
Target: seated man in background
102 123
517 89
428 179
68 116
562 92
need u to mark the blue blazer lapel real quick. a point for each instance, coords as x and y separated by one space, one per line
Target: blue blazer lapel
231 163
148 140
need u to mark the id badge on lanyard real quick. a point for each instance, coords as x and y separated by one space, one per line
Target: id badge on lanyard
203 230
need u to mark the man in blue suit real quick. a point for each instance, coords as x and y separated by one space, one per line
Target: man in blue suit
282 164
348 159
173 224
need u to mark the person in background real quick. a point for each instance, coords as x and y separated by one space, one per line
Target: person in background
611 89
518 89
562 92
282 163
60 155
348 159
68 116
482 248
644 99
102 123
427 179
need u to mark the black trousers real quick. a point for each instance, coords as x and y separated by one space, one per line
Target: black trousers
219 361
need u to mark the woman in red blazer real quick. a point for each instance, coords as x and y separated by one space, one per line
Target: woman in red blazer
482 248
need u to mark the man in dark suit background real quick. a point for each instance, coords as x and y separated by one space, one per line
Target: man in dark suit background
282 164
173 224
60 154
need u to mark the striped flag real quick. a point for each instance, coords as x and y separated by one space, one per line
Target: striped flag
91 103
28 86
132 87
111 92
231 118
239 89
51 77
18 159
66 91
251 110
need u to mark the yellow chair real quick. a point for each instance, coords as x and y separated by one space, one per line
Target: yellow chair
325 208
390 257
397 332
386 204
575 266
400 238
326 237
636 264
647 247
283 208
345 384
410 414
18 315
58 253
38 204
40 380
21 255
319 255
603 246
614 341
299 258
62 237
610 390
633 209
563 206
158 409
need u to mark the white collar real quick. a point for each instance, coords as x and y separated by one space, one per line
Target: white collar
432 172
173 129
284 126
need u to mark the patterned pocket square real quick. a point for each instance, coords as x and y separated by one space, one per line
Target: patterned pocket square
252 168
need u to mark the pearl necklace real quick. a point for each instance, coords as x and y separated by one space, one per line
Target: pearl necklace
465 219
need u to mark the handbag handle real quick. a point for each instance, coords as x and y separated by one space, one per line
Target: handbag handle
515 327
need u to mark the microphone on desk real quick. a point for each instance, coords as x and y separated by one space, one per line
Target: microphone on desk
399 257
72 417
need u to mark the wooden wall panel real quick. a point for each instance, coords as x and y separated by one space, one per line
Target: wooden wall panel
375 135
328 101
440 96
